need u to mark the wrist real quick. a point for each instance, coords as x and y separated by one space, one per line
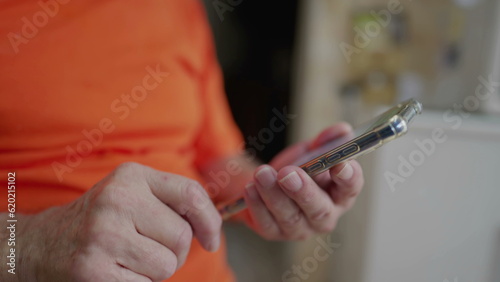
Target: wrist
22 246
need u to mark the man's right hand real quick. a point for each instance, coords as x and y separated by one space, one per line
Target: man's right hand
134 225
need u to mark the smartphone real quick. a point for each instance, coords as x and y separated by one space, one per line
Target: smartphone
384 128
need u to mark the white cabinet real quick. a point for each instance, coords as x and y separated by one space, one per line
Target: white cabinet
442 222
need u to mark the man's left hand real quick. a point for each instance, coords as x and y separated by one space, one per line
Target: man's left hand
285 203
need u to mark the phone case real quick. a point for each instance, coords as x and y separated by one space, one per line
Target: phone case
388 126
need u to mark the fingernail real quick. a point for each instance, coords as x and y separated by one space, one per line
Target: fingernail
252 193
292 181
214 245
266 177
346 173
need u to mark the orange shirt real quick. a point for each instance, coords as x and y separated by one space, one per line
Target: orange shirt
87 85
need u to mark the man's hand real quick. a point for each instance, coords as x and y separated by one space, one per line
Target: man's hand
286 204
134 225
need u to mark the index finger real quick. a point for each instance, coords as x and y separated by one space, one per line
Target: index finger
188 198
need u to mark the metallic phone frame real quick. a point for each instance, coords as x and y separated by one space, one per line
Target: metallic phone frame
394 127
390 125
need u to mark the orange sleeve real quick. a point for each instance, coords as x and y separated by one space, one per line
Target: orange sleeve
219 136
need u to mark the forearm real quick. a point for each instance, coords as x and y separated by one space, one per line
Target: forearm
32 248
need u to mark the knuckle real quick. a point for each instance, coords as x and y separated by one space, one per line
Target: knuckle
279 203
127 174
119 197
353 193
127 167
290 220
168 271
191 192
327 227
169 268
266 226
191 184
306 197
114 196
165 264
274 202
320 214
185 236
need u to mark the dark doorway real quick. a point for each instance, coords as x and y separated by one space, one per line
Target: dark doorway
255 41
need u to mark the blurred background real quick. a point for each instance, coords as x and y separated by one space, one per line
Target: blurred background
430 209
